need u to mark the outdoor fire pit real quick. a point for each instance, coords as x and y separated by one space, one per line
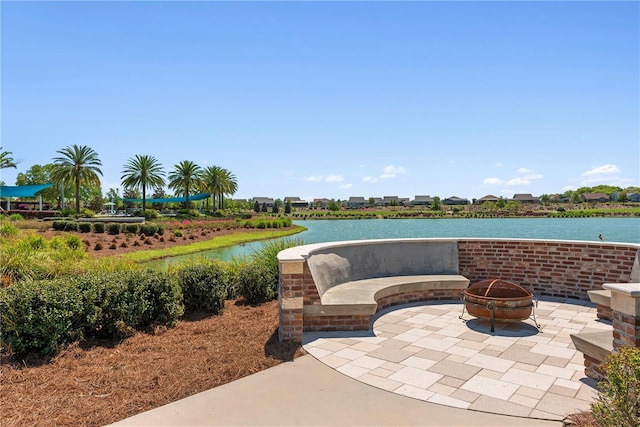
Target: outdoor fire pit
498 299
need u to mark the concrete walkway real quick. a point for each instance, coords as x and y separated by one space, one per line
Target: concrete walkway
306 392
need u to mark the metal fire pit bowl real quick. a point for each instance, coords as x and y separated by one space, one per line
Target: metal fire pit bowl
498 299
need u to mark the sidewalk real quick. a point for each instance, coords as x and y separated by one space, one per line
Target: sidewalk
306 392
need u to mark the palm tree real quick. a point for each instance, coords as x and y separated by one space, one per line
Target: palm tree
79 165
229 186
219 181
184 176
140 172
6 161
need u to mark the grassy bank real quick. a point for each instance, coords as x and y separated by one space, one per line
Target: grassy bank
216 243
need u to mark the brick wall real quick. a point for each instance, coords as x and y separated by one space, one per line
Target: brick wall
553 268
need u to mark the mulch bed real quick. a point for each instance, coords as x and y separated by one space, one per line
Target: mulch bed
98 383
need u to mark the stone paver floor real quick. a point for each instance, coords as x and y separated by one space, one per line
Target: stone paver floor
426 352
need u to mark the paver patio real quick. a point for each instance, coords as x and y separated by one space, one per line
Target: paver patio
426 352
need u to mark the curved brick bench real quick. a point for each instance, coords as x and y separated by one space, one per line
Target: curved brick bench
319 282
354 280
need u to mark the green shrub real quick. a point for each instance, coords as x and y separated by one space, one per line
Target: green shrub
84 227
59 225
71 226
148 229
113 228
7 229
255 283
160 229
40 316
132 228
73 242
148 214
618 400
67 212
98 227
204 286
87 213
16 217
177 233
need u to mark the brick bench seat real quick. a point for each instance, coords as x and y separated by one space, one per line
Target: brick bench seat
602 299
361 297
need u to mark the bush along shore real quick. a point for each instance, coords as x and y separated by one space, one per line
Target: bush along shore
54 294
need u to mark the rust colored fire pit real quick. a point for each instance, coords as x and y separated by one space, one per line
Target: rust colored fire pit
498 299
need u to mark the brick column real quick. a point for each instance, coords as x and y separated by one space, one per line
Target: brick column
290 300
625 308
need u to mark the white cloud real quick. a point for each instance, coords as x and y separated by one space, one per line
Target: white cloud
493 181
334 178
524 170
602 170
393 170
517 181
328 178
533 176
369 179
606 174
346 186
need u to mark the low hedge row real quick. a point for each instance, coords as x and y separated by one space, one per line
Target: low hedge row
148 229
39 316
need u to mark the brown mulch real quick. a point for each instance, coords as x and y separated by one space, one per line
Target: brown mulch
98 383
122 243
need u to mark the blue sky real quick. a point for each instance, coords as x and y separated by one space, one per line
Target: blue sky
332 99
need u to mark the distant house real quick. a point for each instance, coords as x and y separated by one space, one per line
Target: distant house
525 198
296 202
634 197
404 201
422 201
488 198
390 200
356 202
321 203
559 198
453 200
265 201
594 197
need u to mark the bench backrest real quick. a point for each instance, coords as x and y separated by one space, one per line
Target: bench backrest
331 266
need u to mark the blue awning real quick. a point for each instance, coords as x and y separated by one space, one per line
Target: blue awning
172 199
22 190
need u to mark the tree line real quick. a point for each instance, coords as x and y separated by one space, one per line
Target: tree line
76 170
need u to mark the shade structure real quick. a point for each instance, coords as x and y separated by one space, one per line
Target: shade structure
22 190
193 198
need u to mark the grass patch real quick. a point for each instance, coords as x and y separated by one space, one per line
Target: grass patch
215 243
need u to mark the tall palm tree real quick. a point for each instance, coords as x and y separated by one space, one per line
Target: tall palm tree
77 164
229 186
140 172
219 181
6 161
185 175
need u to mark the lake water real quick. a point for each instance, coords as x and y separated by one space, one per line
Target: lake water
612 229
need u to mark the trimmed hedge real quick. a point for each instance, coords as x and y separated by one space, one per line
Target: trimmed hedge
204 286
84 227
113 228
98 227
40 316
148 229
255 281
